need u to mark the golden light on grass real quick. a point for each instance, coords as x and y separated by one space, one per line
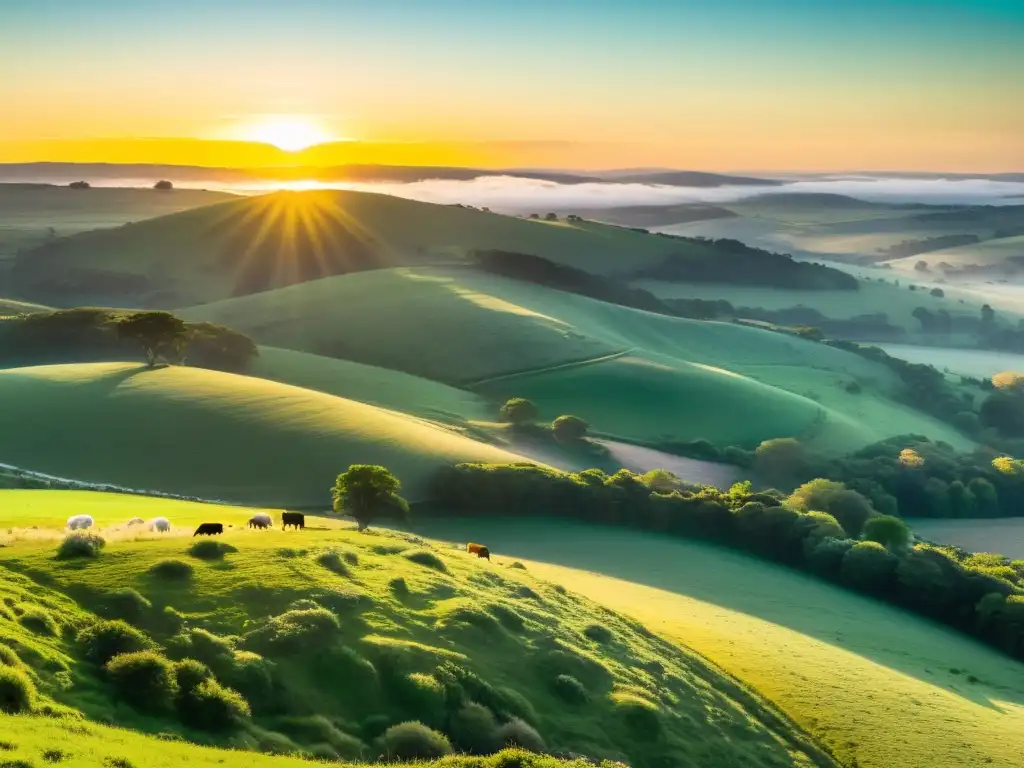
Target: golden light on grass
290 133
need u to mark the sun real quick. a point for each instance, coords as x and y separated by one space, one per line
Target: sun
288 133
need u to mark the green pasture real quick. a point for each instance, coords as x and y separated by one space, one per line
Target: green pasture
879 687
405 607
211 435
505 338
988 253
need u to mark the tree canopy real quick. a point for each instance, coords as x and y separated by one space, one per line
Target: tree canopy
367 492
159 333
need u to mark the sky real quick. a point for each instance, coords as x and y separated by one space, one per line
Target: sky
728 85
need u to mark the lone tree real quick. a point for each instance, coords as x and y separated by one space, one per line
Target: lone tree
519 411
158 332
568 429
367 492
163 185
80 185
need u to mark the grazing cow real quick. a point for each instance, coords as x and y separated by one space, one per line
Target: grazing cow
479 550
295 519
261 520
160 524
80 522
209 529
135 521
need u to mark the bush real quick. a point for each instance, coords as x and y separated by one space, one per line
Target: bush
428 559
420 696
399 586
826 557
567 429
569 689
598 633
517 733
213 707
891 532
17 692
39 621
332 562
80 544
869 566
848 507
519 411
639 715
126 604
474 729
367 492
172 570
8 658
189 673
106 639
144 678
208 549
414 741
296 631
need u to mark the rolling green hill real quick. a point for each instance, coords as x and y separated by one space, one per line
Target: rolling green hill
254 244
991 255
504 338
12 307
879 687
332 636
212 435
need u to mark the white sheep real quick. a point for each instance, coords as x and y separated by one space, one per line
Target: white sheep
261 520
135 521
160 524
80 522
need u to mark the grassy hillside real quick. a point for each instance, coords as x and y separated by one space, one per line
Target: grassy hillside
406 629
29 211
253 244
209 434
505 338
12 307
881 688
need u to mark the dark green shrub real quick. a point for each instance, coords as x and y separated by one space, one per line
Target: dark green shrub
17 692
39 621
212 707
332 561
474 730
414 741
80 544
891 532
598 633
420 696
209 648
189 673
318 729
144 678
511 703
569 689
428 559
640 716
296 631
399 586
16 764
869 566
826 557
508 618
517 733
848 507
274 743
209 549
106 639
252 676
567 429
350 557
172 570
473 617
126 604
54 755
518 565
519 411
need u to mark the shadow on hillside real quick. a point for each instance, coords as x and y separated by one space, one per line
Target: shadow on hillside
740 583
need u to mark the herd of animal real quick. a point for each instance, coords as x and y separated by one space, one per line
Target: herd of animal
261 521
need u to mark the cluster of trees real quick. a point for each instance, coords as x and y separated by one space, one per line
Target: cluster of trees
913 247
730 261
907 475
87 333
824 528
523 414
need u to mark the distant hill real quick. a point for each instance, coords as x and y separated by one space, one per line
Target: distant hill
695 179
655 215
255 244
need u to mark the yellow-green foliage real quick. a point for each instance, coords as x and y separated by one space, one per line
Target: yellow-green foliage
871 681
277 636
262 441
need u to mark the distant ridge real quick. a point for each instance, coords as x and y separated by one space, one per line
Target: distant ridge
62 172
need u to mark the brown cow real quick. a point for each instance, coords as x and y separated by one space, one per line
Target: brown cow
479 550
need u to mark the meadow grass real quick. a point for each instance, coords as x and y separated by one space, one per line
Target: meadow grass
507 338
380 657
880 687
212 435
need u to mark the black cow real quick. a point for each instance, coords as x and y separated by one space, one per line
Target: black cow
295 519
209 529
